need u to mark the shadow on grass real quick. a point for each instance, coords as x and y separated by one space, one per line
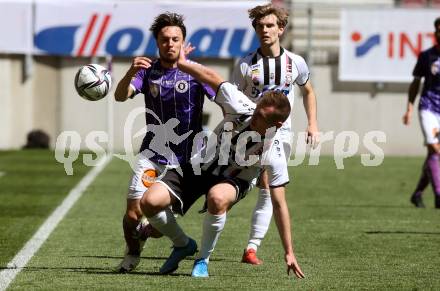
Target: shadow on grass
118 257
149 258
74 269
358 206
133 273
402 232
97 271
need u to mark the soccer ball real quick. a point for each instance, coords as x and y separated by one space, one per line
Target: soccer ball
92 82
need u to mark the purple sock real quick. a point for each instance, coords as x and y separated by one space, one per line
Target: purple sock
433 168
423 181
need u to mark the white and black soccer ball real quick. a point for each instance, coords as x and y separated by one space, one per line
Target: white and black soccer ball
93 82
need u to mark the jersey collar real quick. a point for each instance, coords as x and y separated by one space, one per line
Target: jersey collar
261 54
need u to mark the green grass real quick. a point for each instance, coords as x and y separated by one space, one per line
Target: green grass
353 229
31 187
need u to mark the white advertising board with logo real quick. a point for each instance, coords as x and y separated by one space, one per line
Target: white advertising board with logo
382 45
70 28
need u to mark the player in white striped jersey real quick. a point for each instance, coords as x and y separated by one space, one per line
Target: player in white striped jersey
227 171
272 67
236 172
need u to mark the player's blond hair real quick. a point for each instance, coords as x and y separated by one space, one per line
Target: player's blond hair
279 102
256 13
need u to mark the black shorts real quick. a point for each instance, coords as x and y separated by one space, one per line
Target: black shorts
189 187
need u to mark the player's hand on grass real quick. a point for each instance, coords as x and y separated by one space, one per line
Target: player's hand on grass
312 137
292 265
139 63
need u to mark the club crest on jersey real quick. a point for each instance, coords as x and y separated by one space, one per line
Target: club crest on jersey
154 89
181 86
255 74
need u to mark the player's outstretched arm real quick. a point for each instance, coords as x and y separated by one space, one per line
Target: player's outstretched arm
309 100
282 220
124 90
199 72
412 94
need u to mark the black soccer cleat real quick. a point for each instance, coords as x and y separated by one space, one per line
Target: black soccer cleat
417 201
437 201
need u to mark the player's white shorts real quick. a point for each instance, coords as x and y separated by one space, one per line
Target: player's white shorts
282 141
430 123
286 137
144 175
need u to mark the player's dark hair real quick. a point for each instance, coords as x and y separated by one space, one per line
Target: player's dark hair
168 19
279 101
437 22
256 13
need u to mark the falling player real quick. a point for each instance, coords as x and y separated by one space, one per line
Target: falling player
227 175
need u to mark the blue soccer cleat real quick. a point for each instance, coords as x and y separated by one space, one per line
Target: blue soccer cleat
200 268
178 254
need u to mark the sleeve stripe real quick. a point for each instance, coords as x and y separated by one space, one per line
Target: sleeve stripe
134 90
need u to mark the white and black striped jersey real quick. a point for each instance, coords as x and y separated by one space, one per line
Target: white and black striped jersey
255 74
249 153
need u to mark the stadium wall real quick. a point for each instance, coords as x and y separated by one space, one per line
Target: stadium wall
27 103
47 100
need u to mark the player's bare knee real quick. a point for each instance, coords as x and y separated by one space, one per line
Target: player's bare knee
155 200
217 203
149 205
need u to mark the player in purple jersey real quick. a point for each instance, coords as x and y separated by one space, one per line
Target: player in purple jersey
176 99
428 67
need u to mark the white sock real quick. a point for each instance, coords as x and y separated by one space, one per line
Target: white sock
212 228
166 223
260 219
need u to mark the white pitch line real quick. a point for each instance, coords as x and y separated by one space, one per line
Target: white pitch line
31 247
2 174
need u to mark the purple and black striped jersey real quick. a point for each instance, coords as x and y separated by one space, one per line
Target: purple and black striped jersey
171 93
428 67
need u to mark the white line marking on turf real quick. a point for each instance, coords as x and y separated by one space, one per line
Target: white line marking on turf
2 174
31 247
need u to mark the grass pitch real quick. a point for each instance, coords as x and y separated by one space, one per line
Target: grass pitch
353 229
